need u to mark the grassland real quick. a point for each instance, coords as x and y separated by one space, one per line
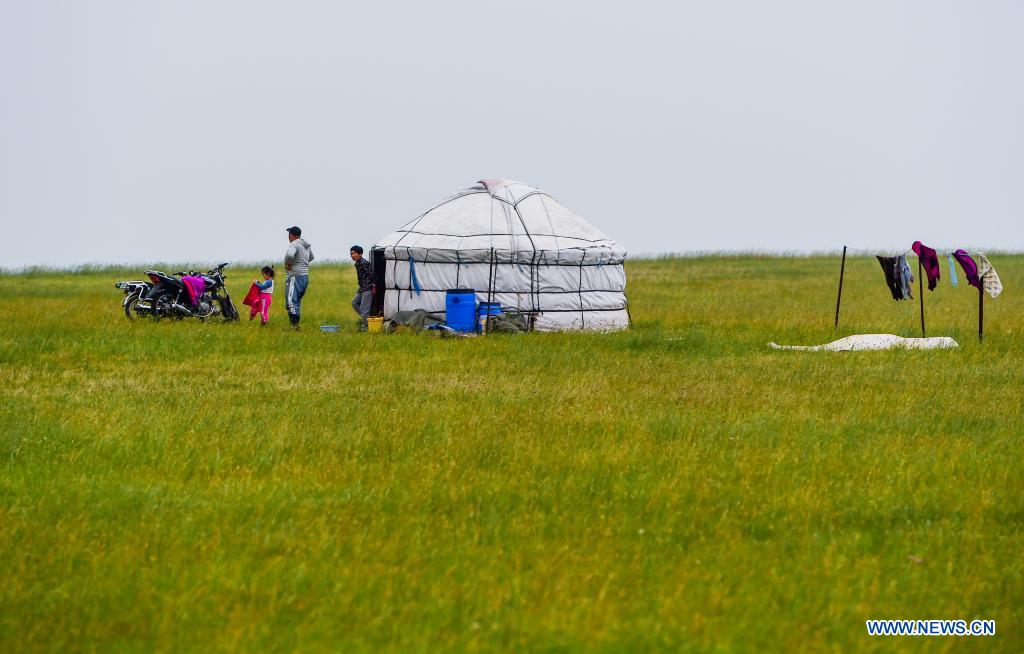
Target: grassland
209 487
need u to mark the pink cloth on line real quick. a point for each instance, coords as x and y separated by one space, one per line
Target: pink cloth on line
929 260
195 287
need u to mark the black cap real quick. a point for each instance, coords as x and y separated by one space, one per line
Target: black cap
294 231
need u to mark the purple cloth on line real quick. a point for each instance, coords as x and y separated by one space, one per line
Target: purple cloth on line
970 268
930 262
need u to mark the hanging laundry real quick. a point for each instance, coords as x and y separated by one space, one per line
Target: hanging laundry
892 280
952 272
906 277
989 278
930 262
970 268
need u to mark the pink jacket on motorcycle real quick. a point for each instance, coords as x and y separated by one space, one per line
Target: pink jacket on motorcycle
195 287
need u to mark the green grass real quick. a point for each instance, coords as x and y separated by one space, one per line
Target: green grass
679 486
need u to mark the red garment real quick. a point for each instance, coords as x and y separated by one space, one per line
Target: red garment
930 262
252 296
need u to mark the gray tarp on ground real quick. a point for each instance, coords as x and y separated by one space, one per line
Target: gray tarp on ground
420 319
507 323
417 319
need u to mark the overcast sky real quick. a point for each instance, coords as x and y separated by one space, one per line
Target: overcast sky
143 131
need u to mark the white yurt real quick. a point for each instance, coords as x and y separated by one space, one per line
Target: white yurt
511 243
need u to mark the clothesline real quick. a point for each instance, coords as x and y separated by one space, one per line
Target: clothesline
899 277
876 253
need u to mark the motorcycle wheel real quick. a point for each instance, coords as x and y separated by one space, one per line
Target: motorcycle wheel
228 310
129 307
161 307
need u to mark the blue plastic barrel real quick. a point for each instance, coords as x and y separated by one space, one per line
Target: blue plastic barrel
460 309
485 310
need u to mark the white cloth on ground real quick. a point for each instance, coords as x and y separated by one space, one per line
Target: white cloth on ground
861 342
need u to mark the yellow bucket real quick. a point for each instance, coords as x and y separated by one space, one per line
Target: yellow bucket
374 324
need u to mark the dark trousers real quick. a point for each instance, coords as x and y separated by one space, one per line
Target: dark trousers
294 289
361 304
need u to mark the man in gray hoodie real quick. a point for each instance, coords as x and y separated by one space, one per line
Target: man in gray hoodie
296 263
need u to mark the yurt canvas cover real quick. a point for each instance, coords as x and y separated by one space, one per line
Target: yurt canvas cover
512 244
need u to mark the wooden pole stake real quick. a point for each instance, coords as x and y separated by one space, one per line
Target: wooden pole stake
981 313
839 298
920 293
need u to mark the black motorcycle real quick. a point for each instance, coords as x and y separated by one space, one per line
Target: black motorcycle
168 297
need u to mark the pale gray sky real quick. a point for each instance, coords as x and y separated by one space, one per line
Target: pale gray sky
135 131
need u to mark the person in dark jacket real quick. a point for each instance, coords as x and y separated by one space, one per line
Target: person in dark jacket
363 300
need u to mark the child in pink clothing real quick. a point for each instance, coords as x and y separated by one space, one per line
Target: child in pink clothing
262 305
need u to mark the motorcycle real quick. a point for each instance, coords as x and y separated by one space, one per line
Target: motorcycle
166 296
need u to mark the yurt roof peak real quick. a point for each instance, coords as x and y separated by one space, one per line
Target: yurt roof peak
505 215
505 190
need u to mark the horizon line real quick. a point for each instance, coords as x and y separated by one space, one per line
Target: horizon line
94 266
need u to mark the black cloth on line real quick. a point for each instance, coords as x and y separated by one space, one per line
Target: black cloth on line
892 279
